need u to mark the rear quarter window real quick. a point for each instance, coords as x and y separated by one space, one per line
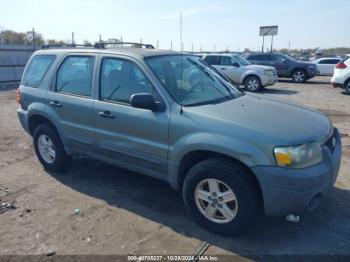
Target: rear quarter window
37 69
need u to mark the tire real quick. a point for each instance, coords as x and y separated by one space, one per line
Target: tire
243 210
252 84
52 162
299 76
347 87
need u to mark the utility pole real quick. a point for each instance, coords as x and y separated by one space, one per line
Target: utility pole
181 44
72 38
34 42
100 38
171 45
192 47
157 44
262 48
289 45
271 43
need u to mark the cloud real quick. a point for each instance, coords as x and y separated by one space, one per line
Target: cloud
189 12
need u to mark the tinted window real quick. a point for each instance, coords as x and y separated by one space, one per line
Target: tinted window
226 61
212 59
37 69
278 58
120 79
329 61
75 75
259 57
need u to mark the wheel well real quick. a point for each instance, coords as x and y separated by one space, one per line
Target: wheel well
194 157
301 69
36 120
250 76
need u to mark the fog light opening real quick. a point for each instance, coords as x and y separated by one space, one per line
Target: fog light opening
314 201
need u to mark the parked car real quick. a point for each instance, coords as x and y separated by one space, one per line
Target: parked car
241 71
325 65
285 65
170 116
341 76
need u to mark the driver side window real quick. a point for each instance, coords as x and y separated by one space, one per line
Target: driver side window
120 79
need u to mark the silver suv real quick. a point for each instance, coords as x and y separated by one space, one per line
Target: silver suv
173 117
242 72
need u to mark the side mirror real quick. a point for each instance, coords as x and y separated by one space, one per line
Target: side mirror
284 60
144 101
235 64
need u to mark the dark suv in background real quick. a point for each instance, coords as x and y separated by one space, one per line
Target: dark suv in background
285 65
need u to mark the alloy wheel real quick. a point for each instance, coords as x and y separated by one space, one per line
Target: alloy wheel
46 148
216 201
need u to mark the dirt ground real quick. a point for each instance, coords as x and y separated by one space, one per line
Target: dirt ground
126 213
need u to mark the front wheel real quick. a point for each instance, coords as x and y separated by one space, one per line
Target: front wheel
252 83
299 76
221 196
347 87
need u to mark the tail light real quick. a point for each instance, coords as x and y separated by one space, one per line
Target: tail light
341 66
18 96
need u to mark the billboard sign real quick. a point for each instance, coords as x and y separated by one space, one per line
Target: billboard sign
268 30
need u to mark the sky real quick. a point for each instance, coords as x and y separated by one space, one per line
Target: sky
207 24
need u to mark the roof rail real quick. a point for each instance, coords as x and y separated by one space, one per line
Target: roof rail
122 44
67 46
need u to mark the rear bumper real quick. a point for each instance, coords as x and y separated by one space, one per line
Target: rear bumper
334 84
23 119
287 191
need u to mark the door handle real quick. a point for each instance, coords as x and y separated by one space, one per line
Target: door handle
55 103
106 114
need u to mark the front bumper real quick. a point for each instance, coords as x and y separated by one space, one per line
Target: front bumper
287 190
269 80
311 72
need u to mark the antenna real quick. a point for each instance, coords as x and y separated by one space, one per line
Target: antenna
181 47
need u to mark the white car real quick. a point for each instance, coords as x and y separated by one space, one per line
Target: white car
341 76
325 66
242 72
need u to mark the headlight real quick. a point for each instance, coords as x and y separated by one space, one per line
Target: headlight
268 72
299 156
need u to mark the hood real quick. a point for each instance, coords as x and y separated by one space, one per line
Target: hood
260 67
265 118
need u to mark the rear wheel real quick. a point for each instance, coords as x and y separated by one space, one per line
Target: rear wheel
49 149
221 196
252 83
299 76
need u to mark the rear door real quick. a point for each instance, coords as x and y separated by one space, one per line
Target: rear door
280 63
134 138
70 98
231 68
326 66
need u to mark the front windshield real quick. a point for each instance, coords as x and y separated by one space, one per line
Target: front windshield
241 60
190 81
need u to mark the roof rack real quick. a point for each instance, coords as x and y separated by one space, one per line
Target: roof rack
67 46
123 44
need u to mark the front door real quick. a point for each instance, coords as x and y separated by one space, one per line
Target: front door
134 138
280 63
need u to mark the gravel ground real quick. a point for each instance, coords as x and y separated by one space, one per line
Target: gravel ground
127 213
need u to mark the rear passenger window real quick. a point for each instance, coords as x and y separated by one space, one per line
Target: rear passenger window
226 61
212 60
75 75
120 79
329 61
37 69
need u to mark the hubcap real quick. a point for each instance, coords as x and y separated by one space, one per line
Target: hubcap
253 84
46 148
299 76
216 200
